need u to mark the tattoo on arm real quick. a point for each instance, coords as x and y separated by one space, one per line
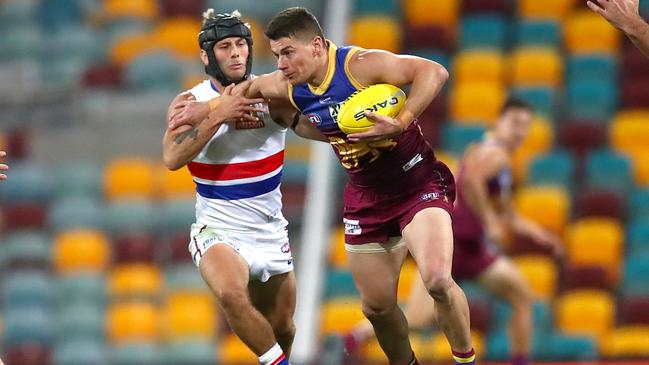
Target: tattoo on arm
192 133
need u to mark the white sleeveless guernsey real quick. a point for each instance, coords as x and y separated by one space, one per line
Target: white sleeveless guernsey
238 200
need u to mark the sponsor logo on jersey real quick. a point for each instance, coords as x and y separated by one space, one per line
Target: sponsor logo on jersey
333 110
352 227
286 248
376 107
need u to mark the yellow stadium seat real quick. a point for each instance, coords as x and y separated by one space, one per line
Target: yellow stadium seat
372 352
547 205
128 178
539 140
3 142
425 12
127 48
379 32
260 46
190 315
630 129
176 184
191 80
174 34
341 315
449 159
135 280
626 342
585 312
233 351
476 102
596 241
536 66
541 273
81 251
478 66
640 157
144 9
337 253
587 32
407 279
132 322
546 9
297 151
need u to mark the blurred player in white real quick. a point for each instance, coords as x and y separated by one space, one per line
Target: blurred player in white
625 16
239 241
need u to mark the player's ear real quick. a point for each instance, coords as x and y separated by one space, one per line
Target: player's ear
204 57
318 46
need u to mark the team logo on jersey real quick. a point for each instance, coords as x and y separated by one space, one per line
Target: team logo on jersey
286 248
352 227
433 196
314 119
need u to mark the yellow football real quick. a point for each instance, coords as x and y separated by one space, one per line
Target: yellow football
384 99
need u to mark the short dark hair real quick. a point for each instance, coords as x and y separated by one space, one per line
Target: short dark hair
515 103
293 22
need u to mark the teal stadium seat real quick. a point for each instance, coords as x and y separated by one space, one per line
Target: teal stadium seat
436 55
455 137
27 324
545 33
79 321
377 7
592 67
30 182
639 204
637 238
118 28
591 100
184 277
542 316
80 352
475 292
28 288
31 248
21 42
82 289
136 354
497 345
542 99
157 70
554 168
636 272
191 353
15 12
78 178
75 212
340 284
130 216
610 170
295 172
567 348
484 31
175 215
54 15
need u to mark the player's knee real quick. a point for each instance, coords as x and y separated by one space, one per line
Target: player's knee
522 298
232 300
377 311
438 284
284 329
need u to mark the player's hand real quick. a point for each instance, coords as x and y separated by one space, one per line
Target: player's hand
548 239
3 167
622 14
384 127
234 106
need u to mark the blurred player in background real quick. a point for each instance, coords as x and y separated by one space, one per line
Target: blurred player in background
239 241
625 16
483 216
3 167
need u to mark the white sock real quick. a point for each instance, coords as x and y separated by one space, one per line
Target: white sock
273 356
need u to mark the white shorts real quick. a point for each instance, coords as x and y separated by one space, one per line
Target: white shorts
267 250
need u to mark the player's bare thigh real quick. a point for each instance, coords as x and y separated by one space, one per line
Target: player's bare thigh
275 298
224 270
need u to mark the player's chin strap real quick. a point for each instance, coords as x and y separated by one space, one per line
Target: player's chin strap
215 29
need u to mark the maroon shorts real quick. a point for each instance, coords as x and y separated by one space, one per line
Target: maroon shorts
375 216
471 257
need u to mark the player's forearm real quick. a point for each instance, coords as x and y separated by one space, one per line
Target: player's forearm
427 83
638 32
305 130
183 144
475 194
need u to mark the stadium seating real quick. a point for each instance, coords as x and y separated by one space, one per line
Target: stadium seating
600 203
233 351
80 251
536 66
609 170
132 322
145 9
144 353
80 352
75 211
81 321
476 102
627 342
455 138
543 99
552 9
176 184
191 352
135 279
379 32
587 32
128 178
634 283
422 12
585 312
582 136
341 315
483 31
478 66
541 273
26 249
637 238
639 203
172 34
591 100
586 277
555 168
542 33
190 315
550 206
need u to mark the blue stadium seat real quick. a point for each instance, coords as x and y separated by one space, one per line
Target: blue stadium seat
554 168
541 312
184 277
191 353
54 15
484 31
75 289
20 42
592 67
566 348
606 169
154 71
636 272
637 238
538 33
591 100
543 99
30 182
78 178
14 12
27 247
80 352
175 215
439 56
75 212
25 288
455 137
136 354
295 172
377 7
130 216
475 292
79 321
340 284
497 345
639 204
27 324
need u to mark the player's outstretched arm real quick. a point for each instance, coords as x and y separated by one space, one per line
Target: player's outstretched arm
541 236
425 77
3 167
624 15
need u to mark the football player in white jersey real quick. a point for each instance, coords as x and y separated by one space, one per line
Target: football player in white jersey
239 241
